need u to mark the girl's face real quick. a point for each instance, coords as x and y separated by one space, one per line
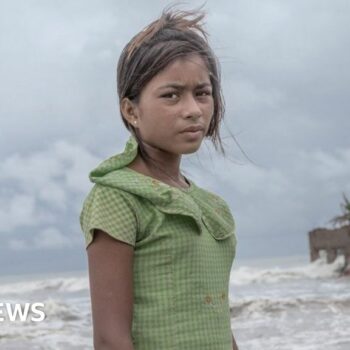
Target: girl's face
176 98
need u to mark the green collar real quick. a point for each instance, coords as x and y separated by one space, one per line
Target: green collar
203 206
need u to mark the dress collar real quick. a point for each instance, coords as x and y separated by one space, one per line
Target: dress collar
203 206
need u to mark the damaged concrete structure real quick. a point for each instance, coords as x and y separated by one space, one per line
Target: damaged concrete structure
334 241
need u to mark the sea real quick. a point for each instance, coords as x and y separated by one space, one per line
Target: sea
284 303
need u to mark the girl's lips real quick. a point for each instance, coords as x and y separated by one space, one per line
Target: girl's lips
193 134
194 128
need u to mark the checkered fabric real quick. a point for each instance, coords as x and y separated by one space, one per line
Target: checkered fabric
184 246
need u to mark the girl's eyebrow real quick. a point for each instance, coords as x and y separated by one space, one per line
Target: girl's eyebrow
182 86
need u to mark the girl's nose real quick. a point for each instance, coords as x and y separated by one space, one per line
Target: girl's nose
191 107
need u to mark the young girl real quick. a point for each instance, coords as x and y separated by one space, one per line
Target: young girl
160 248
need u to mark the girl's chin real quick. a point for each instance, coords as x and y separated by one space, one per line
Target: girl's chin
190 147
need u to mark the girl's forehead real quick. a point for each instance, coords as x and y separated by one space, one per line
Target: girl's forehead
193 63
183 71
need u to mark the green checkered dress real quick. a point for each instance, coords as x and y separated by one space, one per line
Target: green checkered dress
184 246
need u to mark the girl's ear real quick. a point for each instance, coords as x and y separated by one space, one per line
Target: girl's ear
129 111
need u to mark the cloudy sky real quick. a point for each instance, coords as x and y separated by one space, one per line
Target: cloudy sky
285 72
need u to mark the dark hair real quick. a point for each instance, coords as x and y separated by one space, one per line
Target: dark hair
175 34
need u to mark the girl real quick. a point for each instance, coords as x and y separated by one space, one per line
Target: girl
160 248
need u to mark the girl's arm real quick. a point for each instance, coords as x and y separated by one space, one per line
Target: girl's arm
234 345
111 289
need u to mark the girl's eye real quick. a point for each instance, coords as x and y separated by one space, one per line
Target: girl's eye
204 93
170 95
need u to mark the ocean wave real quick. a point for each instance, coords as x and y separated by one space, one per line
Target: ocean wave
61 310
62 284
317 269
251 306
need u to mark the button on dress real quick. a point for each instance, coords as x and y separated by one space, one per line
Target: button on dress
184 246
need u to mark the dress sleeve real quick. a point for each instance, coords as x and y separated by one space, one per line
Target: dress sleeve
107 209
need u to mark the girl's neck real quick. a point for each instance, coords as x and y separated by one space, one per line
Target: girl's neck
167 172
